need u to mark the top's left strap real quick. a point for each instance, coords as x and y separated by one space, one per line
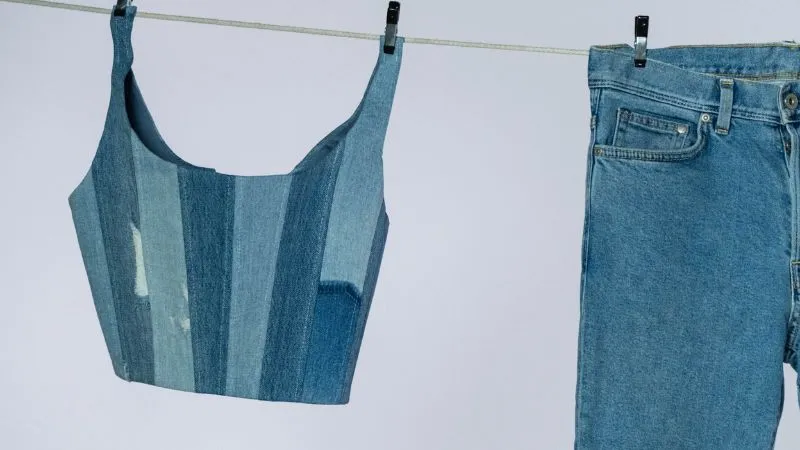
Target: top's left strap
121 27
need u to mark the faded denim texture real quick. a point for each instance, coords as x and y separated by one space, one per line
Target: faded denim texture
689 280
246 286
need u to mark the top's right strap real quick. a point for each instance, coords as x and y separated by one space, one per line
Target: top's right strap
380 91
121 28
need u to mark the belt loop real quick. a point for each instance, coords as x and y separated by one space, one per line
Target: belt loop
725 105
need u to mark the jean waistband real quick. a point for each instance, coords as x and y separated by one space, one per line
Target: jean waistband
761 75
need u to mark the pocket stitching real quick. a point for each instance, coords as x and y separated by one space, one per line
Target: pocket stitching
649 122
646 154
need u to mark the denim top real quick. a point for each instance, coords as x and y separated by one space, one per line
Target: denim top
245 286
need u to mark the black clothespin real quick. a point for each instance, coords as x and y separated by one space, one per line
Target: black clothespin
392 16
640 40
119 9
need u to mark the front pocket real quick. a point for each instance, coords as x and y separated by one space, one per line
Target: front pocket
650 137
639 129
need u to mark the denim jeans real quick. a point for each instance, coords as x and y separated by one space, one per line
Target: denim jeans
690 260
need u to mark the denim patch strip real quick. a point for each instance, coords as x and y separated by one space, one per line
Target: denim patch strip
335 316
297 276
118 206
208 236
258 222
367 292
86 217
165 269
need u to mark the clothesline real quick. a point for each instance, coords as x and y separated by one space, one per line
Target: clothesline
304 30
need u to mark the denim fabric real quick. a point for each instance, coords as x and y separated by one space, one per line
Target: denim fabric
689 275
246 286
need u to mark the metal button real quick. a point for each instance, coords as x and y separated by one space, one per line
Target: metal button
790 100
681 129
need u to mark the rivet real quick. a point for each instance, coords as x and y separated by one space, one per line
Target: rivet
705 117
790 100
681 129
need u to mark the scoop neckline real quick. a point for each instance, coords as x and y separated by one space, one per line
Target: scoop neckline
306 163
187 165
128 17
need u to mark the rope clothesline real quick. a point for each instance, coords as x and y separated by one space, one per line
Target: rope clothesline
304 30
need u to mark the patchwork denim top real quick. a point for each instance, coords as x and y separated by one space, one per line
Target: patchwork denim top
246 286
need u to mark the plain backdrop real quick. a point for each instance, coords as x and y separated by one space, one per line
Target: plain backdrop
471 340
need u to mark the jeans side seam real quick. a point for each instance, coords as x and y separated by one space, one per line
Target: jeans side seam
595 97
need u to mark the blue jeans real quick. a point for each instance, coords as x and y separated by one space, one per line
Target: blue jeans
690 272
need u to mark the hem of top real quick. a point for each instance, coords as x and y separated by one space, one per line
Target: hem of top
300 400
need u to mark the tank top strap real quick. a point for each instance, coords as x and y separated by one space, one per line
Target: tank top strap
121 27
376 104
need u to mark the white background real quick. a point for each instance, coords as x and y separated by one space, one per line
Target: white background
471 340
